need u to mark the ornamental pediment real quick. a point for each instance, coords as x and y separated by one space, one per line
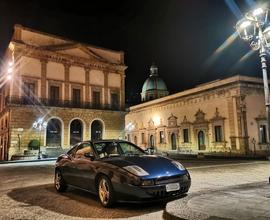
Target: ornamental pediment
200 117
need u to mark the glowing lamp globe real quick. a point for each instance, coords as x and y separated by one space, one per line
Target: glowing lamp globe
246 29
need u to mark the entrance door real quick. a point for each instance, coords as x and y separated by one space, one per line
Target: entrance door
152 141
76 132
201 140
96 130
173 141
53 133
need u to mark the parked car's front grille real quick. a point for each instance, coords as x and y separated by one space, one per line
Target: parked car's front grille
171 179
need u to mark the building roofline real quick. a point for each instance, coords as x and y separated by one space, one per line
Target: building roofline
200 88
64 38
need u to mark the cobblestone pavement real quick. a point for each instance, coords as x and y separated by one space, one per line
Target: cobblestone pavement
26 191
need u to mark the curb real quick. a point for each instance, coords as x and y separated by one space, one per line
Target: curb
24 161
168 216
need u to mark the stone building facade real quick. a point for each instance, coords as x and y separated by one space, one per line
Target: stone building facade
77 89
221 116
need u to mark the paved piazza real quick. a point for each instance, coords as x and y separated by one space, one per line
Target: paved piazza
27 192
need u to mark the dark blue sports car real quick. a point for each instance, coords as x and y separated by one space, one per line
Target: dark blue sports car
120 171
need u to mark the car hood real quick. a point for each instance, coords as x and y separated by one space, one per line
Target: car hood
156 166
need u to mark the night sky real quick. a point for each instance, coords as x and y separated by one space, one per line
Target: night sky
180 36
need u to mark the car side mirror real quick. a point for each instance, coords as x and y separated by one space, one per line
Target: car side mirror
89 155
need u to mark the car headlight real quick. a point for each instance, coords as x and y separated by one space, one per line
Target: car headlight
136 170
178 165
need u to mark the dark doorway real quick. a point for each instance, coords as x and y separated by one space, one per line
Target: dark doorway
201 140
173 141
152 141
53 133
76 132
96 130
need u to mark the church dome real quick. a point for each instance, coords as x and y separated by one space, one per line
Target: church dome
154 87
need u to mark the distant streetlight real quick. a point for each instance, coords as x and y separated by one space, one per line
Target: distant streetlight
255 29
39 125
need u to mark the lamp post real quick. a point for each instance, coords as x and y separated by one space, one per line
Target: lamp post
39 125
254 28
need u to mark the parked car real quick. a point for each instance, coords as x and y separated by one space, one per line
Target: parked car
120 171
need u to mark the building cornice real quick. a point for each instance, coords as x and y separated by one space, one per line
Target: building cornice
40 53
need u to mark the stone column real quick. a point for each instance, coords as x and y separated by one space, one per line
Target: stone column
87 84
43 77
122 92
66 95
106 101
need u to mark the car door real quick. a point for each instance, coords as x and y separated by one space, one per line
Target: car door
84 167
67 167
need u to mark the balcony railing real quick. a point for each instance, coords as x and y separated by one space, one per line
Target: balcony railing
22 100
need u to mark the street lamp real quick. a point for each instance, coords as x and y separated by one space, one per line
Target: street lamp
255 29
39 125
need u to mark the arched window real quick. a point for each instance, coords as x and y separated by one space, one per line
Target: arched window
135 140
96 130
76 131
54 133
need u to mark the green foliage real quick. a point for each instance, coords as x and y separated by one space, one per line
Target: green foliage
33 144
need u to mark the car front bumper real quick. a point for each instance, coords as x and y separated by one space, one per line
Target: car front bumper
132 193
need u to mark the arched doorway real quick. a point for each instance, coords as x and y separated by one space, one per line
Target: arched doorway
76 131
53 133
173 141
201 140
96 130
152 141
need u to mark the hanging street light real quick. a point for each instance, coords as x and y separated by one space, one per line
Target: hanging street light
254 28
39 125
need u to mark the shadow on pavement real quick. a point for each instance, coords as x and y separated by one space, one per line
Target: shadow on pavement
77 203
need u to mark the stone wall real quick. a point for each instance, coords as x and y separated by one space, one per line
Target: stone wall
22 118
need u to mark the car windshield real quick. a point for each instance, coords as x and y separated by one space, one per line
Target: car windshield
110 149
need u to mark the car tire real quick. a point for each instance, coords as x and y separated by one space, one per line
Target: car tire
105 192
59 182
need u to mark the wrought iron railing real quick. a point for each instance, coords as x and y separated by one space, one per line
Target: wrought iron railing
23 100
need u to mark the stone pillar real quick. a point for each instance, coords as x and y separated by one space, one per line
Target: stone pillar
43 77
87 84
106 101
66 95
122 92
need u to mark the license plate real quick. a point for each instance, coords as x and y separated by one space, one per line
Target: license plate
172 187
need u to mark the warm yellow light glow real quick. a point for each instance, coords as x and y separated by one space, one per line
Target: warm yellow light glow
257 11
10 63
156 120
10 70
245 24
9 77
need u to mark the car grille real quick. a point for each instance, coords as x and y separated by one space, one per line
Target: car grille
171 179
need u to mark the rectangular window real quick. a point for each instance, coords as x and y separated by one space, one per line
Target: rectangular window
218 133
76 96
161 137
143 138
263 134
185 135
128 137
114 101
96 99
29 92
54 93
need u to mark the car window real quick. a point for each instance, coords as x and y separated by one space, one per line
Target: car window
128 148
82 149
105 149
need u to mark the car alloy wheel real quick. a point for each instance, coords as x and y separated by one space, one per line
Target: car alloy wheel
59 182
105 192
